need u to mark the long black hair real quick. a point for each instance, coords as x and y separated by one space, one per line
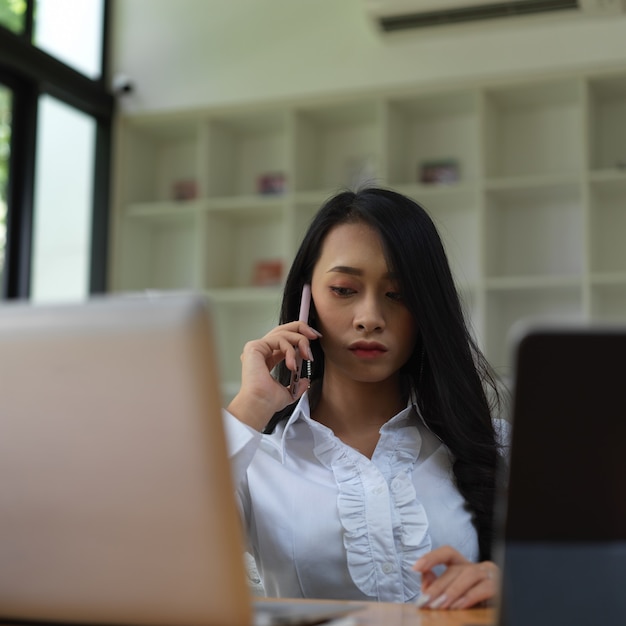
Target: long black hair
446 376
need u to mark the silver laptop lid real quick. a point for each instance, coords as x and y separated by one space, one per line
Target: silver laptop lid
116 504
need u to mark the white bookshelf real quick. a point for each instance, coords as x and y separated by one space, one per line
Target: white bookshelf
534 227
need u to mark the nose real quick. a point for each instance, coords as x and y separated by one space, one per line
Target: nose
368 316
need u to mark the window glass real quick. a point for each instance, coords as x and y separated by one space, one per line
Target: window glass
5 147
63 201
12 14
71 31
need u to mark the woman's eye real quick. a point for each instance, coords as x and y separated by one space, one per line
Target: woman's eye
342 291
396 296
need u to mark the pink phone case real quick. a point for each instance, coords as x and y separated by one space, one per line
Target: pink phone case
305 305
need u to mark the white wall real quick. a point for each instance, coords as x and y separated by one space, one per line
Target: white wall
196 53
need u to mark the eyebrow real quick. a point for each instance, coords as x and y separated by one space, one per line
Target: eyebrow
346 269
355 271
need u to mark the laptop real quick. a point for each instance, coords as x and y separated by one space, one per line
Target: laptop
116 500
564 535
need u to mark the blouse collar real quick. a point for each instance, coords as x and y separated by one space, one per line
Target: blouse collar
302 413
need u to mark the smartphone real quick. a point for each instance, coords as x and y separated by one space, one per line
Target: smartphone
305 305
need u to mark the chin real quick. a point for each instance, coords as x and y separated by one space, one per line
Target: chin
374 378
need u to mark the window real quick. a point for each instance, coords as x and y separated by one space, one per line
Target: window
63 192
71 31
13 14
55 130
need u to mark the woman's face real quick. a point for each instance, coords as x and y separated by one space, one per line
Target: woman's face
368 333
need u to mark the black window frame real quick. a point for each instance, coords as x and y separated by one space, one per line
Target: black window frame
29 72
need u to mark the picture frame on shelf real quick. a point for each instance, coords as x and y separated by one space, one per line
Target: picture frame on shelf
267 273
185 189
271 183
440 172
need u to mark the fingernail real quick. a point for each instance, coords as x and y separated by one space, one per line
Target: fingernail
435 604
317 332
422 600
309 353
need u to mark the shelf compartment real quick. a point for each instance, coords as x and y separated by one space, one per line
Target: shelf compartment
473 313
608 278
160 154
534 232
242 148
456 215
608 302
249 296
238 238
303 214
534 181
337 146
532 282
165 210
607 122
608 225
159 250
239 321
508 307
247 206
534 129
432 128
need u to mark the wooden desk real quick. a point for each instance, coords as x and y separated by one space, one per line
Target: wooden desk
390 614
386 614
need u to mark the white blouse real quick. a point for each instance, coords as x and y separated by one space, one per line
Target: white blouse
324 521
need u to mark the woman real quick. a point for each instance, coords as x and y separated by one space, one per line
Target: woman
385 468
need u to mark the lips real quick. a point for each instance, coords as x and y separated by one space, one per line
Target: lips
367 349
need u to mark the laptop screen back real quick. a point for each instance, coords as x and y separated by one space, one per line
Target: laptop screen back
565 528
116 504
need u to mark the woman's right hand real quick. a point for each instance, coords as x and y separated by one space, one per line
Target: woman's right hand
261 395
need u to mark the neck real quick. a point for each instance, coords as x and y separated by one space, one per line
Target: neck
348 406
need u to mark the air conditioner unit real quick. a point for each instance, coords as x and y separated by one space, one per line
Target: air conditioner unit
398 15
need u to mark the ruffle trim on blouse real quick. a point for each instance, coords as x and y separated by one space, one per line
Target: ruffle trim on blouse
411 522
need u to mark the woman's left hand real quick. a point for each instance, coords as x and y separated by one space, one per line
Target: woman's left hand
463 584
